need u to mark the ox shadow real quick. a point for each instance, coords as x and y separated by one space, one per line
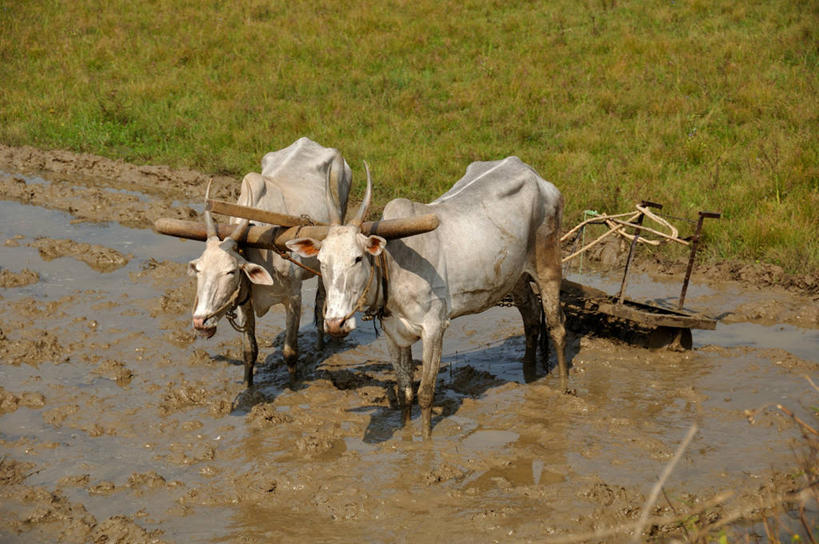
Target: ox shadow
466 373
272 377
462 375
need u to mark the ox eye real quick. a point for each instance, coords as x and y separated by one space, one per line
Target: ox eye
231 272
358 259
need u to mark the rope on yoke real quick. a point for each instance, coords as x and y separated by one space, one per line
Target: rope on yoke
285 255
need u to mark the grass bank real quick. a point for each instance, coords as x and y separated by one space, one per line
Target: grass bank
698 105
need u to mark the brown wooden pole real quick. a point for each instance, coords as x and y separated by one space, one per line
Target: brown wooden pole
276 237
389 228
638 223
695 243
256 214
400 228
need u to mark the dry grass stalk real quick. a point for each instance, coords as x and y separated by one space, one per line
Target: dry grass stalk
655 491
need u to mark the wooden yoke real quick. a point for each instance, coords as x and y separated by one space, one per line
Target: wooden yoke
255 214
276 237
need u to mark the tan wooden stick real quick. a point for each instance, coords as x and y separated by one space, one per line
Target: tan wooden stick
599 219
671 238
629 237
590 244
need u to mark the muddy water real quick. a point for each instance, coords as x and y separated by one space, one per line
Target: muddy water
116 423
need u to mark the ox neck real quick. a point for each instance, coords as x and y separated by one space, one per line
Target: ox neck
376 298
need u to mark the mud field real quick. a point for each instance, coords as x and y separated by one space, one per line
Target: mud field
118 425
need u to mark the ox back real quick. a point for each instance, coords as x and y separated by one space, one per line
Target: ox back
499 229
293 181
486 235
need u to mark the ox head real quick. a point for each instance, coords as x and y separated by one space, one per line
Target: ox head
345 266
223 276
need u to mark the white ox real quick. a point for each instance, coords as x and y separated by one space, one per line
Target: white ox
248 282
499 229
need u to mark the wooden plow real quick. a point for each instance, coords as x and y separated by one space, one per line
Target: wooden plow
631 320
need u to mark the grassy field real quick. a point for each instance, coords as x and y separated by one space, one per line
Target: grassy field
696 104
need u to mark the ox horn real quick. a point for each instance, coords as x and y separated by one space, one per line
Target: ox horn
210 224
244 224
365 204
335 170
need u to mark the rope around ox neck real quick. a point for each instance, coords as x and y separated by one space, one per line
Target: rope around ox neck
229 307
362 300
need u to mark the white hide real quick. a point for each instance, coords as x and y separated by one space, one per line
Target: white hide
293 181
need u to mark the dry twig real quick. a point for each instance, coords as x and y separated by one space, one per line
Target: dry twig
655 492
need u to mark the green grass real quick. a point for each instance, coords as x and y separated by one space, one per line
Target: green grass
695 104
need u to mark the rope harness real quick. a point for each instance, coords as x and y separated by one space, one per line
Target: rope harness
229 307
285 254
378 310
231 314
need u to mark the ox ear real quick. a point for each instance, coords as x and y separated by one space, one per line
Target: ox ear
257 274
304 247
192 267
374 244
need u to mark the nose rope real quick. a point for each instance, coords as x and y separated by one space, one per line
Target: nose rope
362 300
230 306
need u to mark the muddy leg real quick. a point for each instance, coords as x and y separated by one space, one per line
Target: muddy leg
318 315
549 278
250 350
529 310
557 330
290 351
402 362
433 345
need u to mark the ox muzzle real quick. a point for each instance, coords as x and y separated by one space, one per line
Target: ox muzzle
339 327
205 326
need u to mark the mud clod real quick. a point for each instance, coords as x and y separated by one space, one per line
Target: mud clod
101 259
25 277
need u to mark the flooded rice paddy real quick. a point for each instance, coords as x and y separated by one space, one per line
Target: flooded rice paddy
118 425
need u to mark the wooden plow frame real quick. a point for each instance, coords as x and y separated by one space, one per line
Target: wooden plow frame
664 326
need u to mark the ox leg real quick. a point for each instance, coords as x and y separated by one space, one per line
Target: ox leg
529 309
250 350
402 362
290 351
433 345
548 280
318 315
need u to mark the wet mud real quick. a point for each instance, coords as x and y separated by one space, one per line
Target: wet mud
118 425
